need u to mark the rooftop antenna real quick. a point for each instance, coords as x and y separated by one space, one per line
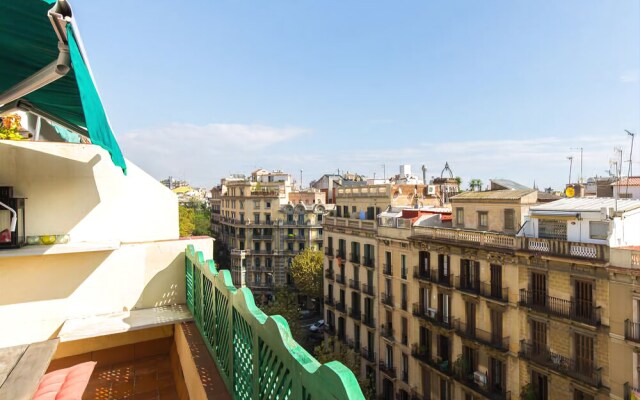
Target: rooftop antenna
581 151
618 151
384 172
424 174
629 174
570 158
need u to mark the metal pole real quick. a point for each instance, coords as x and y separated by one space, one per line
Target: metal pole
300 179
570 158
630 161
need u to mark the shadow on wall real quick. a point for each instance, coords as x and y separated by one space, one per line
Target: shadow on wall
32 279
166 287
60 190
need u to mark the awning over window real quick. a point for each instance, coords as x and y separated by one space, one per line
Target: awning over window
30 50
559 215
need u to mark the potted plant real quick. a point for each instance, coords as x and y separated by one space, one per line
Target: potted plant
10 127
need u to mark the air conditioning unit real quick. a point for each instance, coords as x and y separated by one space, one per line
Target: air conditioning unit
480 378
431 190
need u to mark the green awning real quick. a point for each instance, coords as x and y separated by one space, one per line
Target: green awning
28 43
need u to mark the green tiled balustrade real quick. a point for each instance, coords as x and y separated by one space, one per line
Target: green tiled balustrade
255 353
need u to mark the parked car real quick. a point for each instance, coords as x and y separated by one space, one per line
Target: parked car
317 326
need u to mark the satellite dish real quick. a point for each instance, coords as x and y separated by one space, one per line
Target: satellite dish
570 191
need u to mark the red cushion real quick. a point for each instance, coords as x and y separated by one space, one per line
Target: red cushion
65 384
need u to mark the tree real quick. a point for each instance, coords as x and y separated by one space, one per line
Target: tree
306 271
285 304
332 350
202 224
475 185
186 221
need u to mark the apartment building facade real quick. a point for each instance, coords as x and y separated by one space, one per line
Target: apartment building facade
265 223
513 295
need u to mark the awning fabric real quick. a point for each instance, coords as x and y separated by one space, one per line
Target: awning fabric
560 215
28 43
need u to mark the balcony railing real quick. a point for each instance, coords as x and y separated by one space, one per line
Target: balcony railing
340 306
353 284
485 239
420 352
432 316
442 278
387 270
369 321
495 292
632 331
386 331
386 299
492 393
465 284
580 311
243 332
328 251
340 279
368 289
354 313
340 253
563 248
329 274
422 274
387 369
586 372
328 300
368 262
479 335
354 258
368 354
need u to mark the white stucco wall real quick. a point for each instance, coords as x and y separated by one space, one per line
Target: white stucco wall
38 293
75 189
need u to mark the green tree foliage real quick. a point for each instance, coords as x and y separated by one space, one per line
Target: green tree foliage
475 185
285 304
202 222
333 350
186 218
306 271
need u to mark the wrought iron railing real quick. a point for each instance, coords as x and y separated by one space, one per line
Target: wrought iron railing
328 300
256 355
432 316
465 284
387 368
386 299
587 372
329 274
494 291
340 306
368 354
368 262
387 270
632 330
368 289
422 274
386 331
580 311
368 320
354 313
340 278
353 284
482 336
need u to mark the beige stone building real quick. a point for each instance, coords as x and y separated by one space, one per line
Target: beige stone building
264 223
511 294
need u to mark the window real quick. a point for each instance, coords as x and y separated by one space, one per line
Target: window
256 218
552 229
256 204
483 219
241 204
509 219
460 216
598 230
403 263
404 296
579 395
405 368
267 205
584 353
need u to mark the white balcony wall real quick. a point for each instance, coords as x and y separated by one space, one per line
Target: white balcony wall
75 189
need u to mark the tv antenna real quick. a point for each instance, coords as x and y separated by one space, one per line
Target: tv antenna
570 158
581 152
630 172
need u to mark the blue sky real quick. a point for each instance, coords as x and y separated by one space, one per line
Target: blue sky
201 89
